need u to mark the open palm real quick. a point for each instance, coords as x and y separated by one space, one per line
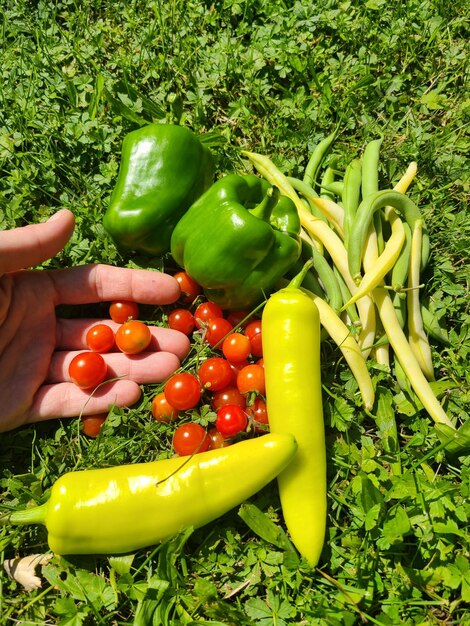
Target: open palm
36 347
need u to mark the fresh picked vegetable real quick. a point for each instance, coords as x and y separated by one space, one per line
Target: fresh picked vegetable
120 509
238 240
164 168
291 353
374 240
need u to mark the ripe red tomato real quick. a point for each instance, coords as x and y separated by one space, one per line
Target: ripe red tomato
100 338
251 378
133 337
183 391
123 310
162 410
190 289
87 370
253 332
206 311
259 414
92 424
215 373
236 347
217 440
229 395
238 318
182 320
237 367
217 329
190 438
231 420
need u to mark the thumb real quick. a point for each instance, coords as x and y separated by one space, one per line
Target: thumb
30 245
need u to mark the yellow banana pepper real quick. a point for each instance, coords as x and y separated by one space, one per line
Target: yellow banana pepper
124 508
291 353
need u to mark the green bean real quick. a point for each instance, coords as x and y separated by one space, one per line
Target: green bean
378 226
335 187
316 159
308 194
370 168
351 195
324 208
341 335
399 304
400 270
329 177
417 337
346 295
382 351
370 183
375 274
407 359
328 280
363 218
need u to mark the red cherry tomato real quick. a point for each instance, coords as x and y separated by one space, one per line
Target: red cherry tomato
182 320
238 318
100 338
229 395
190 289
205 312
253 332
231 420
259 414
123 310
236 347
183 391
237 367
217 440
92 424
162 410
87 370
190 438
217 329
251 378
133 337
215 374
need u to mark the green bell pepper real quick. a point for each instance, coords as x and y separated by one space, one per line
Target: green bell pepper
164 168
237 240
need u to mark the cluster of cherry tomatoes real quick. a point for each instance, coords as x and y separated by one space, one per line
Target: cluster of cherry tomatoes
231 381
88 369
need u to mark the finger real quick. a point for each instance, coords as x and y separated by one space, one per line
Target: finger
67 400
30 245
102 283
144 368
71 335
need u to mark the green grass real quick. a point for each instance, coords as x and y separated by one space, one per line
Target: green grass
273 77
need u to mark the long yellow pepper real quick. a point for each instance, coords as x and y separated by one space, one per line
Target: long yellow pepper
124 508
291 352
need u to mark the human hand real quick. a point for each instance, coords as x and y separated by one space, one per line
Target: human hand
36 347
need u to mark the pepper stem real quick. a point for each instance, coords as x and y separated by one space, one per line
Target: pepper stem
264 209
34 515
296 282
